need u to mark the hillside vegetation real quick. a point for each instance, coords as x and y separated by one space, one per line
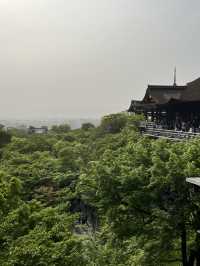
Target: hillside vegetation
97 197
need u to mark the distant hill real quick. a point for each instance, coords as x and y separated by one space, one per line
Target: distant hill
74 123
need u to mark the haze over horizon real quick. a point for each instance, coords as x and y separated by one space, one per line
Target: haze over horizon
90 58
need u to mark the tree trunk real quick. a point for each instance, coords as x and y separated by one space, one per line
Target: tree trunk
198 260
198 250
191 258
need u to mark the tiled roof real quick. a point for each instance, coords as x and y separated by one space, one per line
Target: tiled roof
164 94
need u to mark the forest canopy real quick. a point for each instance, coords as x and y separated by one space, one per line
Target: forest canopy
98 196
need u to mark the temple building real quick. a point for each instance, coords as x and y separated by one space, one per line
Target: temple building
171 107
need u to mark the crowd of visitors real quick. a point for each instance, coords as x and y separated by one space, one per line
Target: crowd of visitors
178 124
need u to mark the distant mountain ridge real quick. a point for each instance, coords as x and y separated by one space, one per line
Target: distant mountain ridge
49 122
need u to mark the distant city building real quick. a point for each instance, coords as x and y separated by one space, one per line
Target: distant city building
10 128
38 130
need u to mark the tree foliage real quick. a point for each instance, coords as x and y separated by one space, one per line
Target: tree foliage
98 196
63 128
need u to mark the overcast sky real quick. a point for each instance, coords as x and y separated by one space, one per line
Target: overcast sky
87 58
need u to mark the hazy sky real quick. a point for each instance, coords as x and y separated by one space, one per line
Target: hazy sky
86 58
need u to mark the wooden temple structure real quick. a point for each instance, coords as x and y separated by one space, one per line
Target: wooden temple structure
171 107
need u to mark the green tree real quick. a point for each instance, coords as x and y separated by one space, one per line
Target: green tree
5 137
87 126
64 128
113 123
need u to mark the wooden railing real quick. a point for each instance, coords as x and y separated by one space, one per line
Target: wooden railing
150 129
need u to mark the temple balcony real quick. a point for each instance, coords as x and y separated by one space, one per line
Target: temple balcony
152 130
